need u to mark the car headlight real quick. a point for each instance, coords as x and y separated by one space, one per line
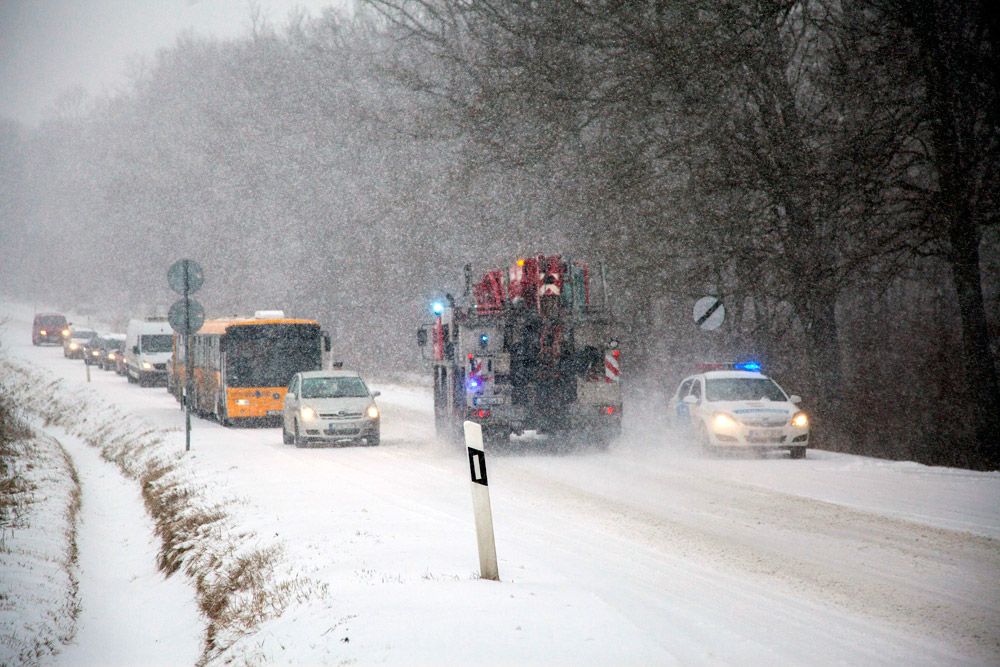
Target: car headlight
74 346
146 366
95 353
723 422
800 420
372 411
111 356
308 414
65 333
42 332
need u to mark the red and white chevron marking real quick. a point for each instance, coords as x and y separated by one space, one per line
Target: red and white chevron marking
612 367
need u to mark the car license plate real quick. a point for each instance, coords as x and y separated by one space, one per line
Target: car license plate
758 436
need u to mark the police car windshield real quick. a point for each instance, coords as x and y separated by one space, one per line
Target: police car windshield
341 387
743 389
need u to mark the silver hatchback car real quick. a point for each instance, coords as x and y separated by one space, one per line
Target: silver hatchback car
327 407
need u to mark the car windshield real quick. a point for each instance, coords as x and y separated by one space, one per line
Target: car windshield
333 387
84 334
743 389
156 343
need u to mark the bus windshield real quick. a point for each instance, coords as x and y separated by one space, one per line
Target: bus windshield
268 356
743 389
156 343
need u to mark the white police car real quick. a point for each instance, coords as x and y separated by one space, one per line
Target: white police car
735 407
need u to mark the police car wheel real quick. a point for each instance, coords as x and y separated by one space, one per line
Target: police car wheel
705 443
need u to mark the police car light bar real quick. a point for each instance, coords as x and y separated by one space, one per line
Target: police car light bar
752 366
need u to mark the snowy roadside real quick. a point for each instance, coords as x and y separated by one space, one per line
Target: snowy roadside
39 502
240 580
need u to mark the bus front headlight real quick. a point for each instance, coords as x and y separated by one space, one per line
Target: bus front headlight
307 413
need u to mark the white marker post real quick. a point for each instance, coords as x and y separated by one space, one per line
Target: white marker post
481 502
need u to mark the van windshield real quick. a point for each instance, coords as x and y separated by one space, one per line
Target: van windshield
156 343
52 321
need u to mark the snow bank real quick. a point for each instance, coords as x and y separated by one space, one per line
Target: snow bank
39 502
241 580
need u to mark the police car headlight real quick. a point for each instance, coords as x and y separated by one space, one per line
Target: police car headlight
800 420
723 422
307 413
372 411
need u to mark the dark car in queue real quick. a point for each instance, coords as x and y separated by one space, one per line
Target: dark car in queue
112 348
92 350
73 345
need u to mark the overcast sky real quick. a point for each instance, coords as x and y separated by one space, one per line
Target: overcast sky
48 47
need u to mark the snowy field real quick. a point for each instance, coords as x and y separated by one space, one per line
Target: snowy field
645 554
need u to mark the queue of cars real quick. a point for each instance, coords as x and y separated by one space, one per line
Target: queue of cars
320 406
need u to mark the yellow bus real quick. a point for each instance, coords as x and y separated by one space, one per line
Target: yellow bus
242 366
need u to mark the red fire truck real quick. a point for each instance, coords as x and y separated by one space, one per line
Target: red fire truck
531 350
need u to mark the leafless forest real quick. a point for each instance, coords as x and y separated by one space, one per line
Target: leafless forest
829 169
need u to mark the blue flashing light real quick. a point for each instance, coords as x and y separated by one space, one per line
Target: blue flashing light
473 384
484 339
437 307
752 366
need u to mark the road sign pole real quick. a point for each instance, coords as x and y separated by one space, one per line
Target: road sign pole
188 360
481 502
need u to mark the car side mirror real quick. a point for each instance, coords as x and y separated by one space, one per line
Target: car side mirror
327 345
794 398
376 394
690 400
290 395
135 349
421 337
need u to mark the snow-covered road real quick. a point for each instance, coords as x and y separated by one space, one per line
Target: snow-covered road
644 554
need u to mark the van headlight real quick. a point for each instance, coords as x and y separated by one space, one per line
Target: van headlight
723 422
372 411
307 413
800 420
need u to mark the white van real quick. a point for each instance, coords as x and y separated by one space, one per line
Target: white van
148 346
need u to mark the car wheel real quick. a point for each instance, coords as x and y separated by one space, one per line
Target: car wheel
373 441
285 435
797 453
297 439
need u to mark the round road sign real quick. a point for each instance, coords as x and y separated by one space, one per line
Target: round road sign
186 320
709 313
185 276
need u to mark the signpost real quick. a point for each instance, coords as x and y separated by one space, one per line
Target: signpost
481 502
185 317
709 313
